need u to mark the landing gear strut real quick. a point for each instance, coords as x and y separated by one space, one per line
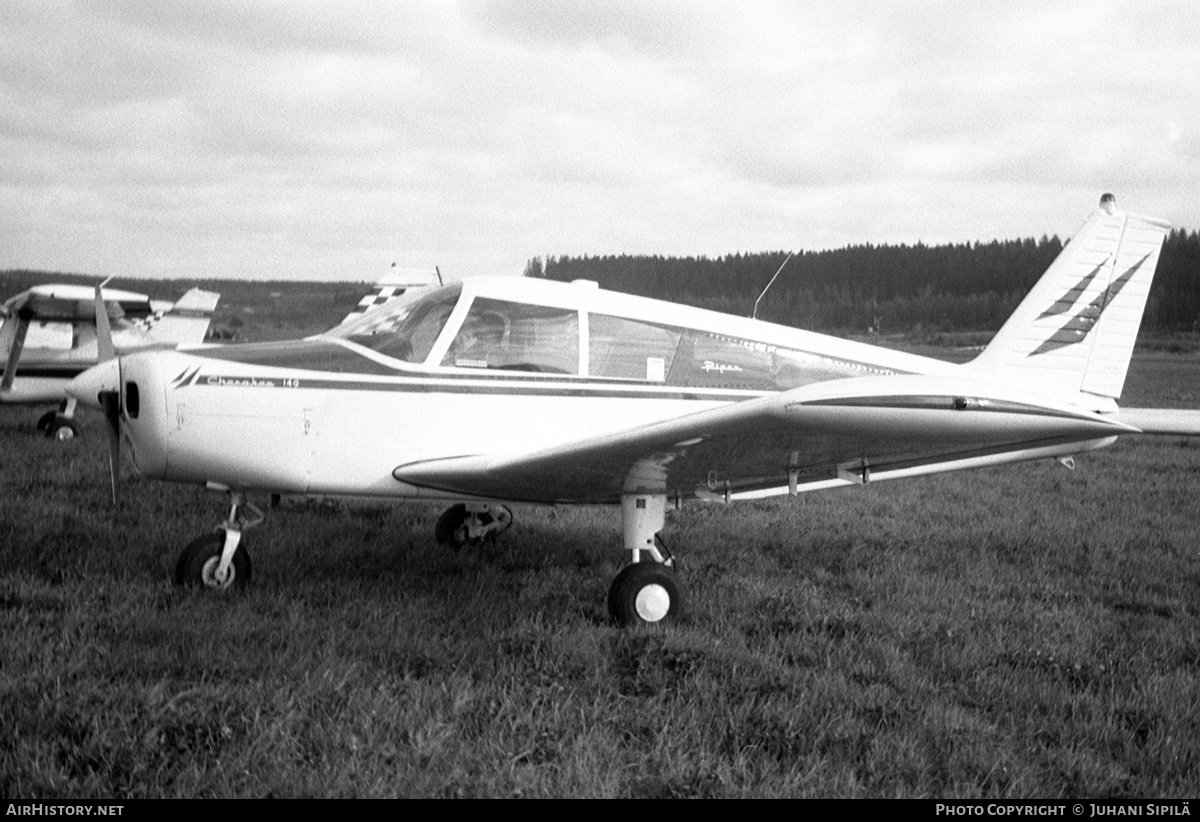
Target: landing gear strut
646 591
468 525
219 561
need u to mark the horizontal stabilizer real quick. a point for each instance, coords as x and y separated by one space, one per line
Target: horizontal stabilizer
186 322
1162 420
196 301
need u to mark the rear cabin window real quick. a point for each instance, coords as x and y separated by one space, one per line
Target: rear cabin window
717 361
508 336
629 349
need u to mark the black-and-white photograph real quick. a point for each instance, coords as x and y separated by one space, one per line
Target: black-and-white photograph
626 399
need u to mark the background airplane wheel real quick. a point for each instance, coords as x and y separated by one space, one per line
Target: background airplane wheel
44 421
451 528
62 429
645 593
197 564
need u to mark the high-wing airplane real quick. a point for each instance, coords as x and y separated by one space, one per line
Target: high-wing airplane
499 390
48 337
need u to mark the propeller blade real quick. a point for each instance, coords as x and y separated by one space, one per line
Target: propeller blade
104 342
13 337
111 402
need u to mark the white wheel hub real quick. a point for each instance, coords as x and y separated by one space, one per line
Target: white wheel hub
652 603
208 574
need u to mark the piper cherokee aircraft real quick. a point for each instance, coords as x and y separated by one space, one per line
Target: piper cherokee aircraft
48 337
583 396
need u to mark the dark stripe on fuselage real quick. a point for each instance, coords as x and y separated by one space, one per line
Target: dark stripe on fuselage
334 358
456 384
309 355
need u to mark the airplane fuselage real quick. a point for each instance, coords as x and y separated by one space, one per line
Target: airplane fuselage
334 416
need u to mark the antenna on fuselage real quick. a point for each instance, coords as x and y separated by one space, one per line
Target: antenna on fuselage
754 313
438 271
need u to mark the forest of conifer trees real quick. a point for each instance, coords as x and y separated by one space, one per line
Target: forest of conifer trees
888 289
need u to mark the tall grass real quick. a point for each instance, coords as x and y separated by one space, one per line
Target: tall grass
1026 631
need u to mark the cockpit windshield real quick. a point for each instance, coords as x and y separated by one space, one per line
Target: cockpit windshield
406 328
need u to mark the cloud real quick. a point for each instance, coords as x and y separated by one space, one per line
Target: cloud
318 139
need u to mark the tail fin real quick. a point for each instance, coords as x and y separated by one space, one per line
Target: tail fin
186 322
1074 332
390 286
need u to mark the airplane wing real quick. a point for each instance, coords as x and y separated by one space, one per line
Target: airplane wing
52 304
817 436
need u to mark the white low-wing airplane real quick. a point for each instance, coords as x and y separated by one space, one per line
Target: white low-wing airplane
48 337
506 390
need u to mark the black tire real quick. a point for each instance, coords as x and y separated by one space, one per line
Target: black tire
62 429
645 593
45 420
198 561
451 528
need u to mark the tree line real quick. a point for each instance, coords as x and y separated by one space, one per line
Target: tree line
882 288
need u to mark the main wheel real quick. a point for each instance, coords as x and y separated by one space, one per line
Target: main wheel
44 421
645 593
197 564
451 529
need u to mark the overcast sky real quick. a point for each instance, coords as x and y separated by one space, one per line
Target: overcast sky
325 140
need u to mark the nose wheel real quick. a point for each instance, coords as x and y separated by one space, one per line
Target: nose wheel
199 565
60 425
218 561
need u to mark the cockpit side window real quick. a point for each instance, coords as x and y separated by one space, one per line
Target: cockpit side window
407 328
508 336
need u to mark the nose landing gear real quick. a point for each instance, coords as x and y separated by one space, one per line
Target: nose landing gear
219 561
60 425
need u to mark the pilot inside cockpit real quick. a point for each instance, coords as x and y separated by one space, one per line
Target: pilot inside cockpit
479 341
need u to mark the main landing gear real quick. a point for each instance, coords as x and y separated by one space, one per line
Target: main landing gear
219 561
646 591
469 525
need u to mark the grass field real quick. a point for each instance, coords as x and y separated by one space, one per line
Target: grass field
1019 632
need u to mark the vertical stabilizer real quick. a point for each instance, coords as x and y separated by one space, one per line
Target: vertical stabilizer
186 322
390 286
1074 332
